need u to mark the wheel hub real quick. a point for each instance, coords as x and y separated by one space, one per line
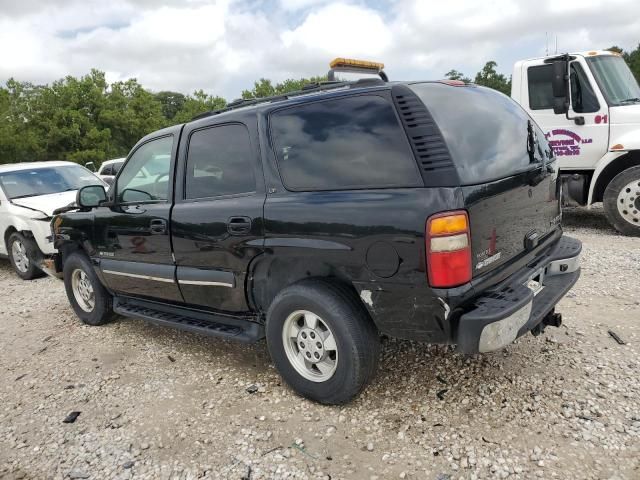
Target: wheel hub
83 290
311 344
629 202
19 254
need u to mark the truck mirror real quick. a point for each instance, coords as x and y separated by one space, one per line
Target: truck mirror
91 196
559 83
90 166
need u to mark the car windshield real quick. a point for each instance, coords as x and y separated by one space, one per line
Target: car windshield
32 182
615 79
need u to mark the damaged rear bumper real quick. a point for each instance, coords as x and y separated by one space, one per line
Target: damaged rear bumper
522 302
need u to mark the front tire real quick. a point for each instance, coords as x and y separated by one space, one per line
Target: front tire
89 299
622 202
322 341
24 255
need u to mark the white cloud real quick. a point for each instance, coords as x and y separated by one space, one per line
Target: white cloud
222 46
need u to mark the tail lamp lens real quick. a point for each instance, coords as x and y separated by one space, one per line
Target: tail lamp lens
448 247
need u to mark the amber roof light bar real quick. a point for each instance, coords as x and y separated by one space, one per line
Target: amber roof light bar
356 66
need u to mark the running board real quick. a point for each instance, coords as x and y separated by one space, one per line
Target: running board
242 329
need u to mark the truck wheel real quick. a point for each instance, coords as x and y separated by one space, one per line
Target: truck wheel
622 202
322 341
89 299
24 254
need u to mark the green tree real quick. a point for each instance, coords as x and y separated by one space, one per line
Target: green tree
456 75
196 104
172 103
489 77
265 88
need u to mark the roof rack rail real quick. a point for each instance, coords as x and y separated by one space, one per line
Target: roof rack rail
305 90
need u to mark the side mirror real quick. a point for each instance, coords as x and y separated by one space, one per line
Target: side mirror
560 85
90 166
91 196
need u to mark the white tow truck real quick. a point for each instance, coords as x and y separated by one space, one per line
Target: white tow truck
588 106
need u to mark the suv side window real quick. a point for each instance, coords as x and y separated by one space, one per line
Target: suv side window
219 162
540 87
583 98
346 143
106 170
145 177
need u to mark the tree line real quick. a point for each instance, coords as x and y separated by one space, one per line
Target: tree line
87 119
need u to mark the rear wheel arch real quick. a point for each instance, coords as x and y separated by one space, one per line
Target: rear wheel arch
269 276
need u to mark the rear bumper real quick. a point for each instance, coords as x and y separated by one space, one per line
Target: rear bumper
511 309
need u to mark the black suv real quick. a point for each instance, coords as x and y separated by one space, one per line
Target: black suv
326 218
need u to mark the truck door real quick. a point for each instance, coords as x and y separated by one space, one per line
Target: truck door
217 220
576 146
132 238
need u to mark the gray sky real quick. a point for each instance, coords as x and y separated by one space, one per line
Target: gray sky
223 46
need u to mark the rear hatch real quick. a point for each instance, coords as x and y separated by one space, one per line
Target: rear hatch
505 167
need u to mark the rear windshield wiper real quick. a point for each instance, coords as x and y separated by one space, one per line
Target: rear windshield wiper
631 100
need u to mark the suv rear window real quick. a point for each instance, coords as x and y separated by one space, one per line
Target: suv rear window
485 131
347 143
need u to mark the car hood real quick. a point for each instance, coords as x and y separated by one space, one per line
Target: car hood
47 203
625 114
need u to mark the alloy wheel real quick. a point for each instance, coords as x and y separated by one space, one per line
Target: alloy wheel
310 346
83 290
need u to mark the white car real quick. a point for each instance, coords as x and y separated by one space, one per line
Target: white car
109 169
29 194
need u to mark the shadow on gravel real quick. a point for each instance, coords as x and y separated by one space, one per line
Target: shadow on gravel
581 217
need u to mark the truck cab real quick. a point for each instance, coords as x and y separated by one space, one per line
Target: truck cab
588 106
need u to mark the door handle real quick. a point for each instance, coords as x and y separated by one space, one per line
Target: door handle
158 226
238 225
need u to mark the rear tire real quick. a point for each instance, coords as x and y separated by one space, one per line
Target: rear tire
322 341
88 297
24 255
622 202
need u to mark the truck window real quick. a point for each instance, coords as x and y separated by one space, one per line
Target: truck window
583 98
540 88
219 162
347 143
485 131
145 177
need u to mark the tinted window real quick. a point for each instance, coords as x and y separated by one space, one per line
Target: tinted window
486 131
106 170
353 142
116 167
540 87
583 99
219 162
146 175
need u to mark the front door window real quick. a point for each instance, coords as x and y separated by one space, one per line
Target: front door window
145 176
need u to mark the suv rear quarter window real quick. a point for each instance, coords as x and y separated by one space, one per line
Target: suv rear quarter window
347 143
486 131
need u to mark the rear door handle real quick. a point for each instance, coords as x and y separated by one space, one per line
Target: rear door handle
158 226
239 225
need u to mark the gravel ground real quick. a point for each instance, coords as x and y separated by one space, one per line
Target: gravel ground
157 403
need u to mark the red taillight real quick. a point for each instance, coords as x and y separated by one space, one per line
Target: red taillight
448 247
